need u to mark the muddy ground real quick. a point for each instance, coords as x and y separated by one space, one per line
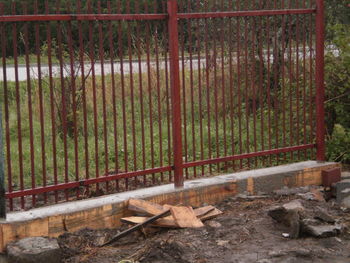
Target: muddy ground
244 233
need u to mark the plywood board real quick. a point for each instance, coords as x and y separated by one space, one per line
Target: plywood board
167 222
212 214
185 217
145 207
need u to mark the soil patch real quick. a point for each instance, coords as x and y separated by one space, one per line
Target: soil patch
244 233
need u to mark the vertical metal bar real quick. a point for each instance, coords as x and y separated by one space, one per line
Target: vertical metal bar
63 100
269 87
131 79
6 102
92 61
2 161
138 47
297 32
276 80
189 32
311 81
175 91
290 60
166 47
253 84
18 104
2 172
104 110
261 83
149 83
156 41
207 77
184 93
121 54
284 82
200 88
320 87
52 102
246 93
83 88
115 117
216 104
74 101
41 103
239 85
223 84
30 109
304 80
232 100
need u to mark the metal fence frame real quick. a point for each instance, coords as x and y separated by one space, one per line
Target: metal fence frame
173 17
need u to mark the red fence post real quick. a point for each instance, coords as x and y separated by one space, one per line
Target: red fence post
320 86
175 91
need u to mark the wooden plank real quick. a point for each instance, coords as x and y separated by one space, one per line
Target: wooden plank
185 217
167 222
201 211
145 207
137 227
212 214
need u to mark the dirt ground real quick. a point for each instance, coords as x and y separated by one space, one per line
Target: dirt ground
244 233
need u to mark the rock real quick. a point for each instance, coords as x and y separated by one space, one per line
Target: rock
318 194
214 224
321 231
222 243
289 214
251 197
277 254
307 196
291 191
265 260
294 205
313 195
301 252
322 215
340 187
34 250
345 198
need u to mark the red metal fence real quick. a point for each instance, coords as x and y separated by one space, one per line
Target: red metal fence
108 96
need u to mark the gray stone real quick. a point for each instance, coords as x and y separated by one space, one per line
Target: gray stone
289 214
34 250
322 215
340 187
346 202
345 175
307 196
321 231
294 205
291 191
214 224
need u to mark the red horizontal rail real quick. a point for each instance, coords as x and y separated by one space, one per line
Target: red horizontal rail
82 17
72 185
249 155
130 17
247 13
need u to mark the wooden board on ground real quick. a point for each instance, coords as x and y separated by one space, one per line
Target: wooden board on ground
185 217
167 222
212 214
145 207
136 227
201 211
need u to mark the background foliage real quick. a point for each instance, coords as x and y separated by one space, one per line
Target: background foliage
338 80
